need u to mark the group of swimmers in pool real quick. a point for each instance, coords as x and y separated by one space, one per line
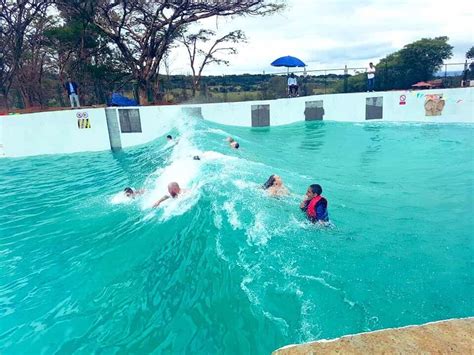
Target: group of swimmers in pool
314 204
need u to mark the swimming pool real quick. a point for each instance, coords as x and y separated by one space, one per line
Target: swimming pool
228 269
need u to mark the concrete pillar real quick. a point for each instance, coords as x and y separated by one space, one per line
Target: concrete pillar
113 128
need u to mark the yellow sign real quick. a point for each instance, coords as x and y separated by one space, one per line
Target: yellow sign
83 123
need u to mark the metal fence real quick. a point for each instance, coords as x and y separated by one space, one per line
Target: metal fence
332 80
227 88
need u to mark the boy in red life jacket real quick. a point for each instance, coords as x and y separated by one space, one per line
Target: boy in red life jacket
315 206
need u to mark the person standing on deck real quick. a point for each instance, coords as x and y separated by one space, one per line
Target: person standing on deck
71 89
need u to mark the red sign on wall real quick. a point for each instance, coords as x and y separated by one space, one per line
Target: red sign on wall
403 100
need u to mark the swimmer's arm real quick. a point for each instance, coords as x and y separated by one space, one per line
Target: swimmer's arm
157 203
140 192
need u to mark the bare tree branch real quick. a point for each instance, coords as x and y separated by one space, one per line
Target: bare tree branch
210 55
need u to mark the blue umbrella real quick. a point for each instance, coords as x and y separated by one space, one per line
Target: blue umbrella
289 62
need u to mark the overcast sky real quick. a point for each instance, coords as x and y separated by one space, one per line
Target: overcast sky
332 33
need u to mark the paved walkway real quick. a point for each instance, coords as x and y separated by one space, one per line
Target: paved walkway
454 336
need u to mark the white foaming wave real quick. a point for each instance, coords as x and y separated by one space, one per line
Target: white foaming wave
284 326
290 270
307 326
217 217
168 145
177 206
233 216
212 155
258 233
219 248
181 170
252 296
243 185
120 198
318 279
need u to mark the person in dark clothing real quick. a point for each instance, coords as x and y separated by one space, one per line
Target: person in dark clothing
315 205
71 89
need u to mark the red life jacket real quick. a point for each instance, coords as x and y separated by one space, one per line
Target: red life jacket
311 209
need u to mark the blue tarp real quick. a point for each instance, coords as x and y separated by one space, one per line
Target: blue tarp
120 100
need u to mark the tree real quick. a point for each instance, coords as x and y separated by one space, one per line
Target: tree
417 61
469 70
16 18
199 58
81 50
31 67
143 31
470 53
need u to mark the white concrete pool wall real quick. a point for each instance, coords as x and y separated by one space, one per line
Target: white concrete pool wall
68 131
52 133
351 108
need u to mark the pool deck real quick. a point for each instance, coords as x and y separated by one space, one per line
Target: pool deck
454 336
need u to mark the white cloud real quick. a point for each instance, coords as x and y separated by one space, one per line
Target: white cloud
334 33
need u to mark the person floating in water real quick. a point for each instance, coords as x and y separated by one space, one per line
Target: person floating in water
233 144
274 186
174 192
315 205
131 193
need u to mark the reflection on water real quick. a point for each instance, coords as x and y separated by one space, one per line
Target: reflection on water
374 145
313 136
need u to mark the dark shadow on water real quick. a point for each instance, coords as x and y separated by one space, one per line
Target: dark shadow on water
260 130
374 145
313 136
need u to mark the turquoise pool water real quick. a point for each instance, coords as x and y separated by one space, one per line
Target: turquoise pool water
227 269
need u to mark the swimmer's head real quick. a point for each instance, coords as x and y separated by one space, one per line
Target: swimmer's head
168 137
128 191
278 182
269 182
196 157
314 190
234 145
173 189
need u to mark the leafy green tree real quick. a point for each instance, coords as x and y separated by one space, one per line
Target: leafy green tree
470 53
417 61
80 49
469 72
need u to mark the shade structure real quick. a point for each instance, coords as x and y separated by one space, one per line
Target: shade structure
288 61
421 84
